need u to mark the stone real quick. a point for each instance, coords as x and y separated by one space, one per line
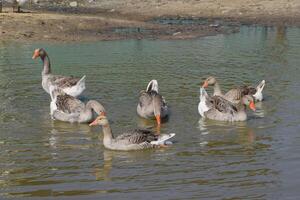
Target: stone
73 4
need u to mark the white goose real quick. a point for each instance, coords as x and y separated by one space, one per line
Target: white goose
70 85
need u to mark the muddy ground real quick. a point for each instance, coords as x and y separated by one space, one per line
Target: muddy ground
138 19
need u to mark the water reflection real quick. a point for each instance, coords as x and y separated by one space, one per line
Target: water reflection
245 134
281 35
103 173
259 110
151 124
61 133
246 137
278 44
146 123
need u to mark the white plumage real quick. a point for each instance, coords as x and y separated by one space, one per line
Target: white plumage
21 2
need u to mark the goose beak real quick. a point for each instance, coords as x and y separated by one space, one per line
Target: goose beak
252 106
35 54
205 84
103 113
158 119
94 123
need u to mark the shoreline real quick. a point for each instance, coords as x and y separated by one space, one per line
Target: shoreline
94 24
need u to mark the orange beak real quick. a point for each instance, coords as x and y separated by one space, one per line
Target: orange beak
205 84
103 114
36 54
252 106
94 123
158 119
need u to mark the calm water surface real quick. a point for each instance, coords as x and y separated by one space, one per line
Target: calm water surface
257 159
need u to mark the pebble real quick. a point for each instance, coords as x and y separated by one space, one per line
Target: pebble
73 4
177 33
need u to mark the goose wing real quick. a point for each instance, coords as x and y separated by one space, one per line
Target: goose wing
69 104
145 99
159 97
234 94
137 136
64 81
223 105
248 90
237 93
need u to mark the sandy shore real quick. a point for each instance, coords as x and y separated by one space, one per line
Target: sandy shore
110 20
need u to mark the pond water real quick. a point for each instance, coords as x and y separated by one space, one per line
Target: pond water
256 159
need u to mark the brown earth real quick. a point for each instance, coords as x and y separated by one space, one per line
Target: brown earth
160 19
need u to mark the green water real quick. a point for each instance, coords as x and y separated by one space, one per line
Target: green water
256 159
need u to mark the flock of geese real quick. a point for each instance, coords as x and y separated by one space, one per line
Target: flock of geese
64 106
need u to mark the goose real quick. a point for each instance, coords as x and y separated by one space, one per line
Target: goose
70 85
132 140
218 108
234 95
64 107
152 104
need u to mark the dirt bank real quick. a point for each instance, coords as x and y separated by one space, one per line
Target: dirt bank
74 27
110 20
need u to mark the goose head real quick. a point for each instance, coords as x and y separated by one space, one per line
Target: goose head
209 81
100 120
248 100
39 53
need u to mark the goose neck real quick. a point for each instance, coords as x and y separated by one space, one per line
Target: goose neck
217 89
47 65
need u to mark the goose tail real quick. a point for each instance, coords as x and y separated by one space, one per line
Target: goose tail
81 81
163 139
261 86
152 86
203 107
258 95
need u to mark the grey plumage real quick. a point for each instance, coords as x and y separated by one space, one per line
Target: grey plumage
152 104
69 84
137 136
130 140
218 108
67 108
235 95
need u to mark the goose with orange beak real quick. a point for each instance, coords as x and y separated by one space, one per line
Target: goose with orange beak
218 108
152 104
137 139
70 85
234 95
64 107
